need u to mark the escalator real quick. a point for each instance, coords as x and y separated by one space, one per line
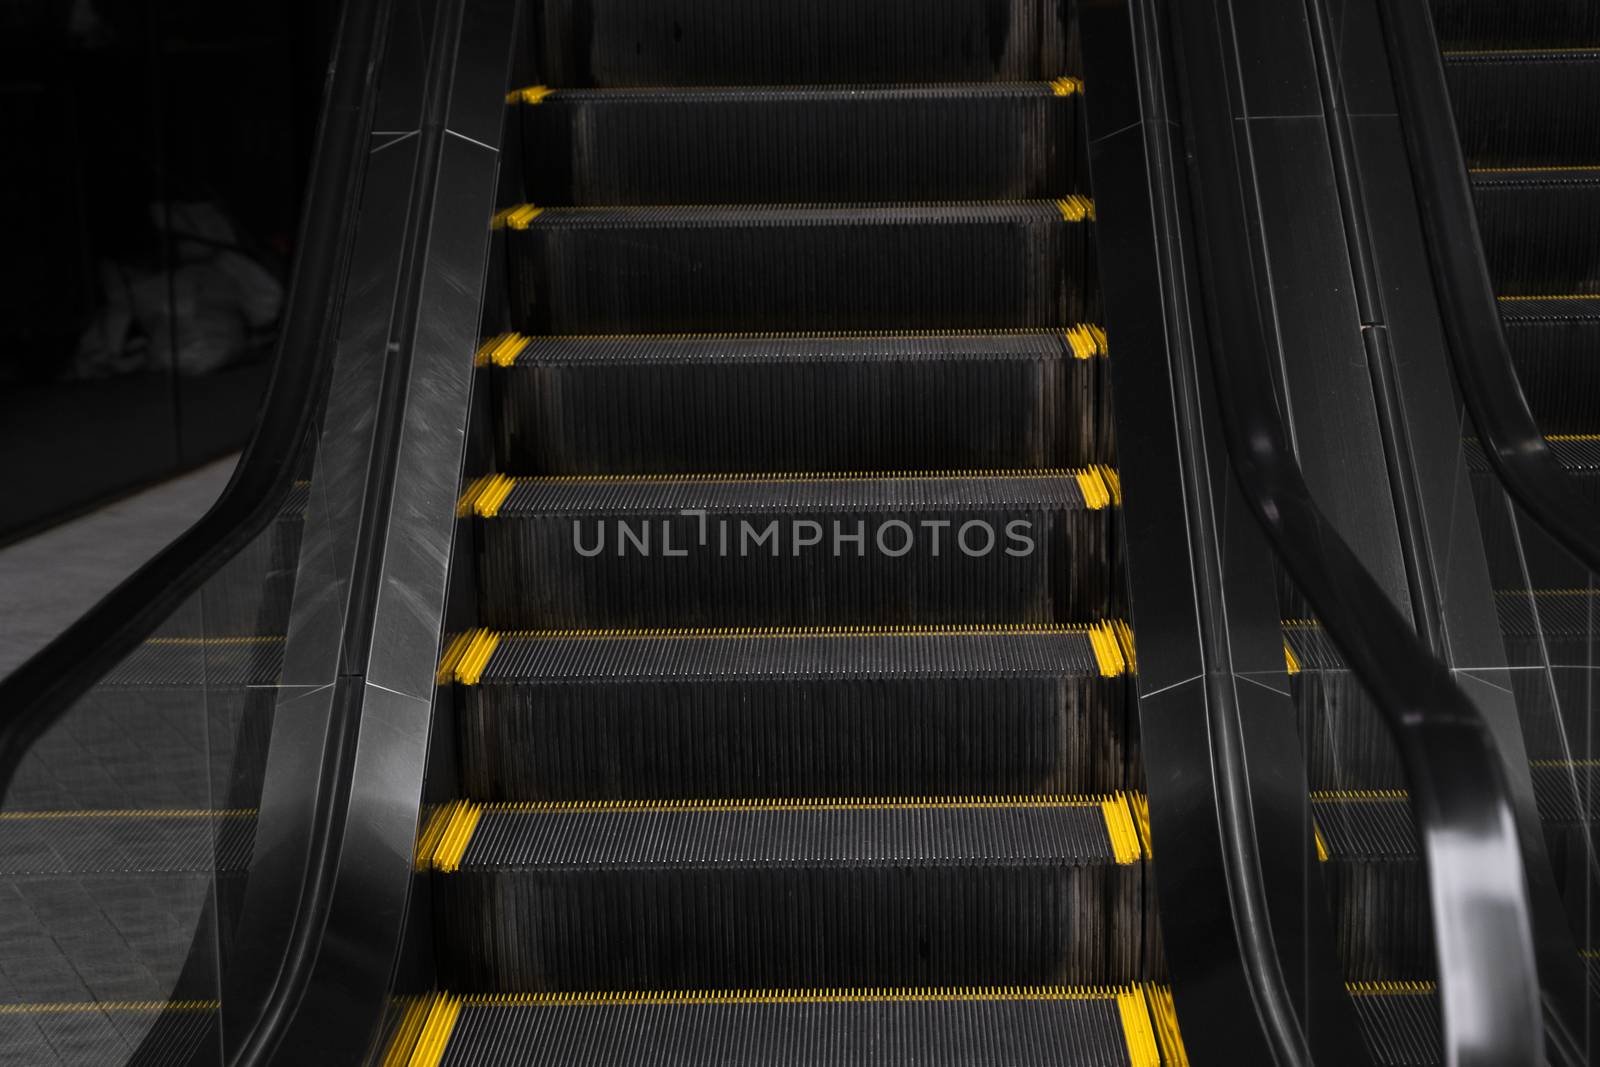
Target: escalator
795 723
771 586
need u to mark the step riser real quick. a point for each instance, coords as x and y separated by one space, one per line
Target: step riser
683 417
1383 923
532 575
1541 240
733 42
788 148
1526 113
654 739
1522 24
1559 369
764 928
973 275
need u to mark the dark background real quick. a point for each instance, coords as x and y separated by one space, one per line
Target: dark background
150 188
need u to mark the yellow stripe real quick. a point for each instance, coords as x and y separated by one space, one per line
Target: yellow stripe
533 94
1107 652
461 821
1076 208
442 1013
1322 845
1117 803
452 656
469 669
1550 296
516 218
130 813
1290 660
1130 655
485 495
435 822
1066 86
1120 829
1087 341
133 1007
1585 437
1357 796
862 995
768 335
1389 989
1113 482
773 632
406 1034
1165 1014
1095 473
1136 1029
1140 805
1096 494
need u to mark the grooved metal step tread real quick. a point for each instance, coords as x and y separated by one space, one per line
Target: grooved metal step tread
1525 107
518 351
807 833
1364 825
73 1033
490 658
1577 307
499 496
1015 1026
542 95
1071 209
1526 24
1400 1021
192 841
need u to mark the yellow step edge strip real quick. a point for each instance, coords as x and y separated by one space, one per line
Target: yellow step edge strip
132 1007
451 657
1130 653
408 1032
860 995
533 94
129 813
1390 989
1107 650
515 218
436 821
1140 805
1126 846
1091 478
1066 86
1322 844
440 1023
461 819
1291 661
1076 208
538 94
1549 296
501 350
480 647
1095 334
1137 1030
1357 796
1165 1015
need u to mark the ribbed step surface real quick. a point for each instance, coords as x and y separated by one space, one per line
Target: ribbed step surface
1023 548
678 403
1400 1021
1540 229
787 894
731 42
1555 344
812 144
795 713
1014 1027
1526 108
732 268
1376 884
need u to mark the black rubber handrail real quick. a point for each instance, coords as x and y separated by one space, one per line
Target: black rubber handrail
36 694
1459 795
1510 436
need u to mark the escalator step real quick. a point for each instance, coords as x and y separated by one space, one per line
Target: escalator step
1522 24
1555 343
1043 1026
803 145
1526 108
1347 746
1376 884
1540 228
140 1033
676 403
1030 547
1520 553
982 265
1400 1021
787 893
731 42
645 715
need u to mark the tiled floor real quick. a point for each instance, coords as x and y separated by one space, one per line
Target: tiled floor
49 580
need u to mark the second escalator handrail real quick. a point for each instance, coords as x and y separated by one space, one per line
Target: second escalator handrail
1510 435
1460 798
